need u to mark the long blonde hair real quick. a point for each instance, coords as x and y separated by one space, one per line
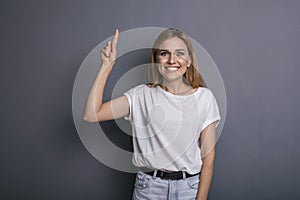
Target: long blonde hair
192 75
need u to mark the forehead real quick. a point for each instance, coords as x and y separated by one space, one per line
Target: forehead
173 44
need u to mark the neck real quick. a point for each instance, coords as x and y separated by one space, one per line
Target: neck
176 87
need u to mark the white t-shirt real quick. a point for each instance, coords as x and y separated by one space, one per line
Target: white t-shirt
166 127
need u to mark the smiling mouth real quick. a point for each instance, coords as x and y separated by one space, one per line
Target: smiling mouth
172 69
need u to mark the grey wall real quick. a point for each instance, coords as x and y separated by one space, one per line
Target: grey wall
255 44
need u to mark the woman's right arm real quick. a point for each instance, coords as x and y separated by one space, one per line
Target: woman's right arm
95 110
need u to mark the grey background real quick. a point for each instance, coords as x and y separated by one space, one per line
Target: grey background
255 44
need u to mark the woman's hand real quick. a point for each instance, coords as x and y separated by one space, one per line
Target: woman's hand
109 52
96 110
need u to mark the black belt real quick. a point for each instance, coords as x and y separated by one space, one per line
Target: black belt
171 175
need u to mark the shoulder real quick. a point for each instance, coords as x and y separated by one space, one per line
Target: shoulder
141 88
205 95
204 92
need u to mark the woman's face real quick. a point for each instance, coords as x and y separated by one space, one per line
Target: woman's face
173 58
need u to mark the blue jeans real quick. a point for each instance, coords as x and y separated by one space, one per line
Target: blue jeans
154 188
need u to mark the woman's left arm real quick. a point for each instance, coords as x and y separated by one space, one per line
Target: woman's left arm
208 141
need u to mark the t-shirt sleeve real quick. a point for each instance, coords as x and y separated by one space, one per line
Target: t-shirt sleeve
129 95
212 112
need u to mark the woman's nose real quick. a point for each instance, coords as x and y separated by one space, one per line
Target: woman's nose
171 58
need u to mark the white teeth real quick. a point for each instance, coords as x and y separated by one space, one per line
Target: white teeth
172 68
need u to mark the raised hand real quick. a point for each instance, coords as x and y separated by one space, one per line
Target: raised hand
96 110
109 52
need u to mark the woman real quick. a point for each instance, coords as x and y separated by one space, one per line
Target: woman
169 117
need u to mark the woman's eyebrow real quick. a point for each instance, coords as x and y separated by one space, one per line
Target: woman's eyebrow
175 50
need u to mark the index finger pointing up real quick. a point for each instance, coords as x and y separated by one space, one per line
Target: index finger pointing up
114 42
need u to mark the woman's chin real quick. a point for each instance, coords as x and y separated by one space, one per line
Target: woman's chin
172 77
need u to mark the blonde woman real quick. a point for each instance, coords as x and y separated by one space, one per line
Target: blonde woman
173 120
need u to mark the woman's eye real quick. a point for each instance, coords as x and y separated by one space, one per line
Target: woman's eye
163 53
180 53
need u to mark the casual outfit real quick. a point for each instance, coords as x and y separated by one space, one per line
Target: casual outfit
166 131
